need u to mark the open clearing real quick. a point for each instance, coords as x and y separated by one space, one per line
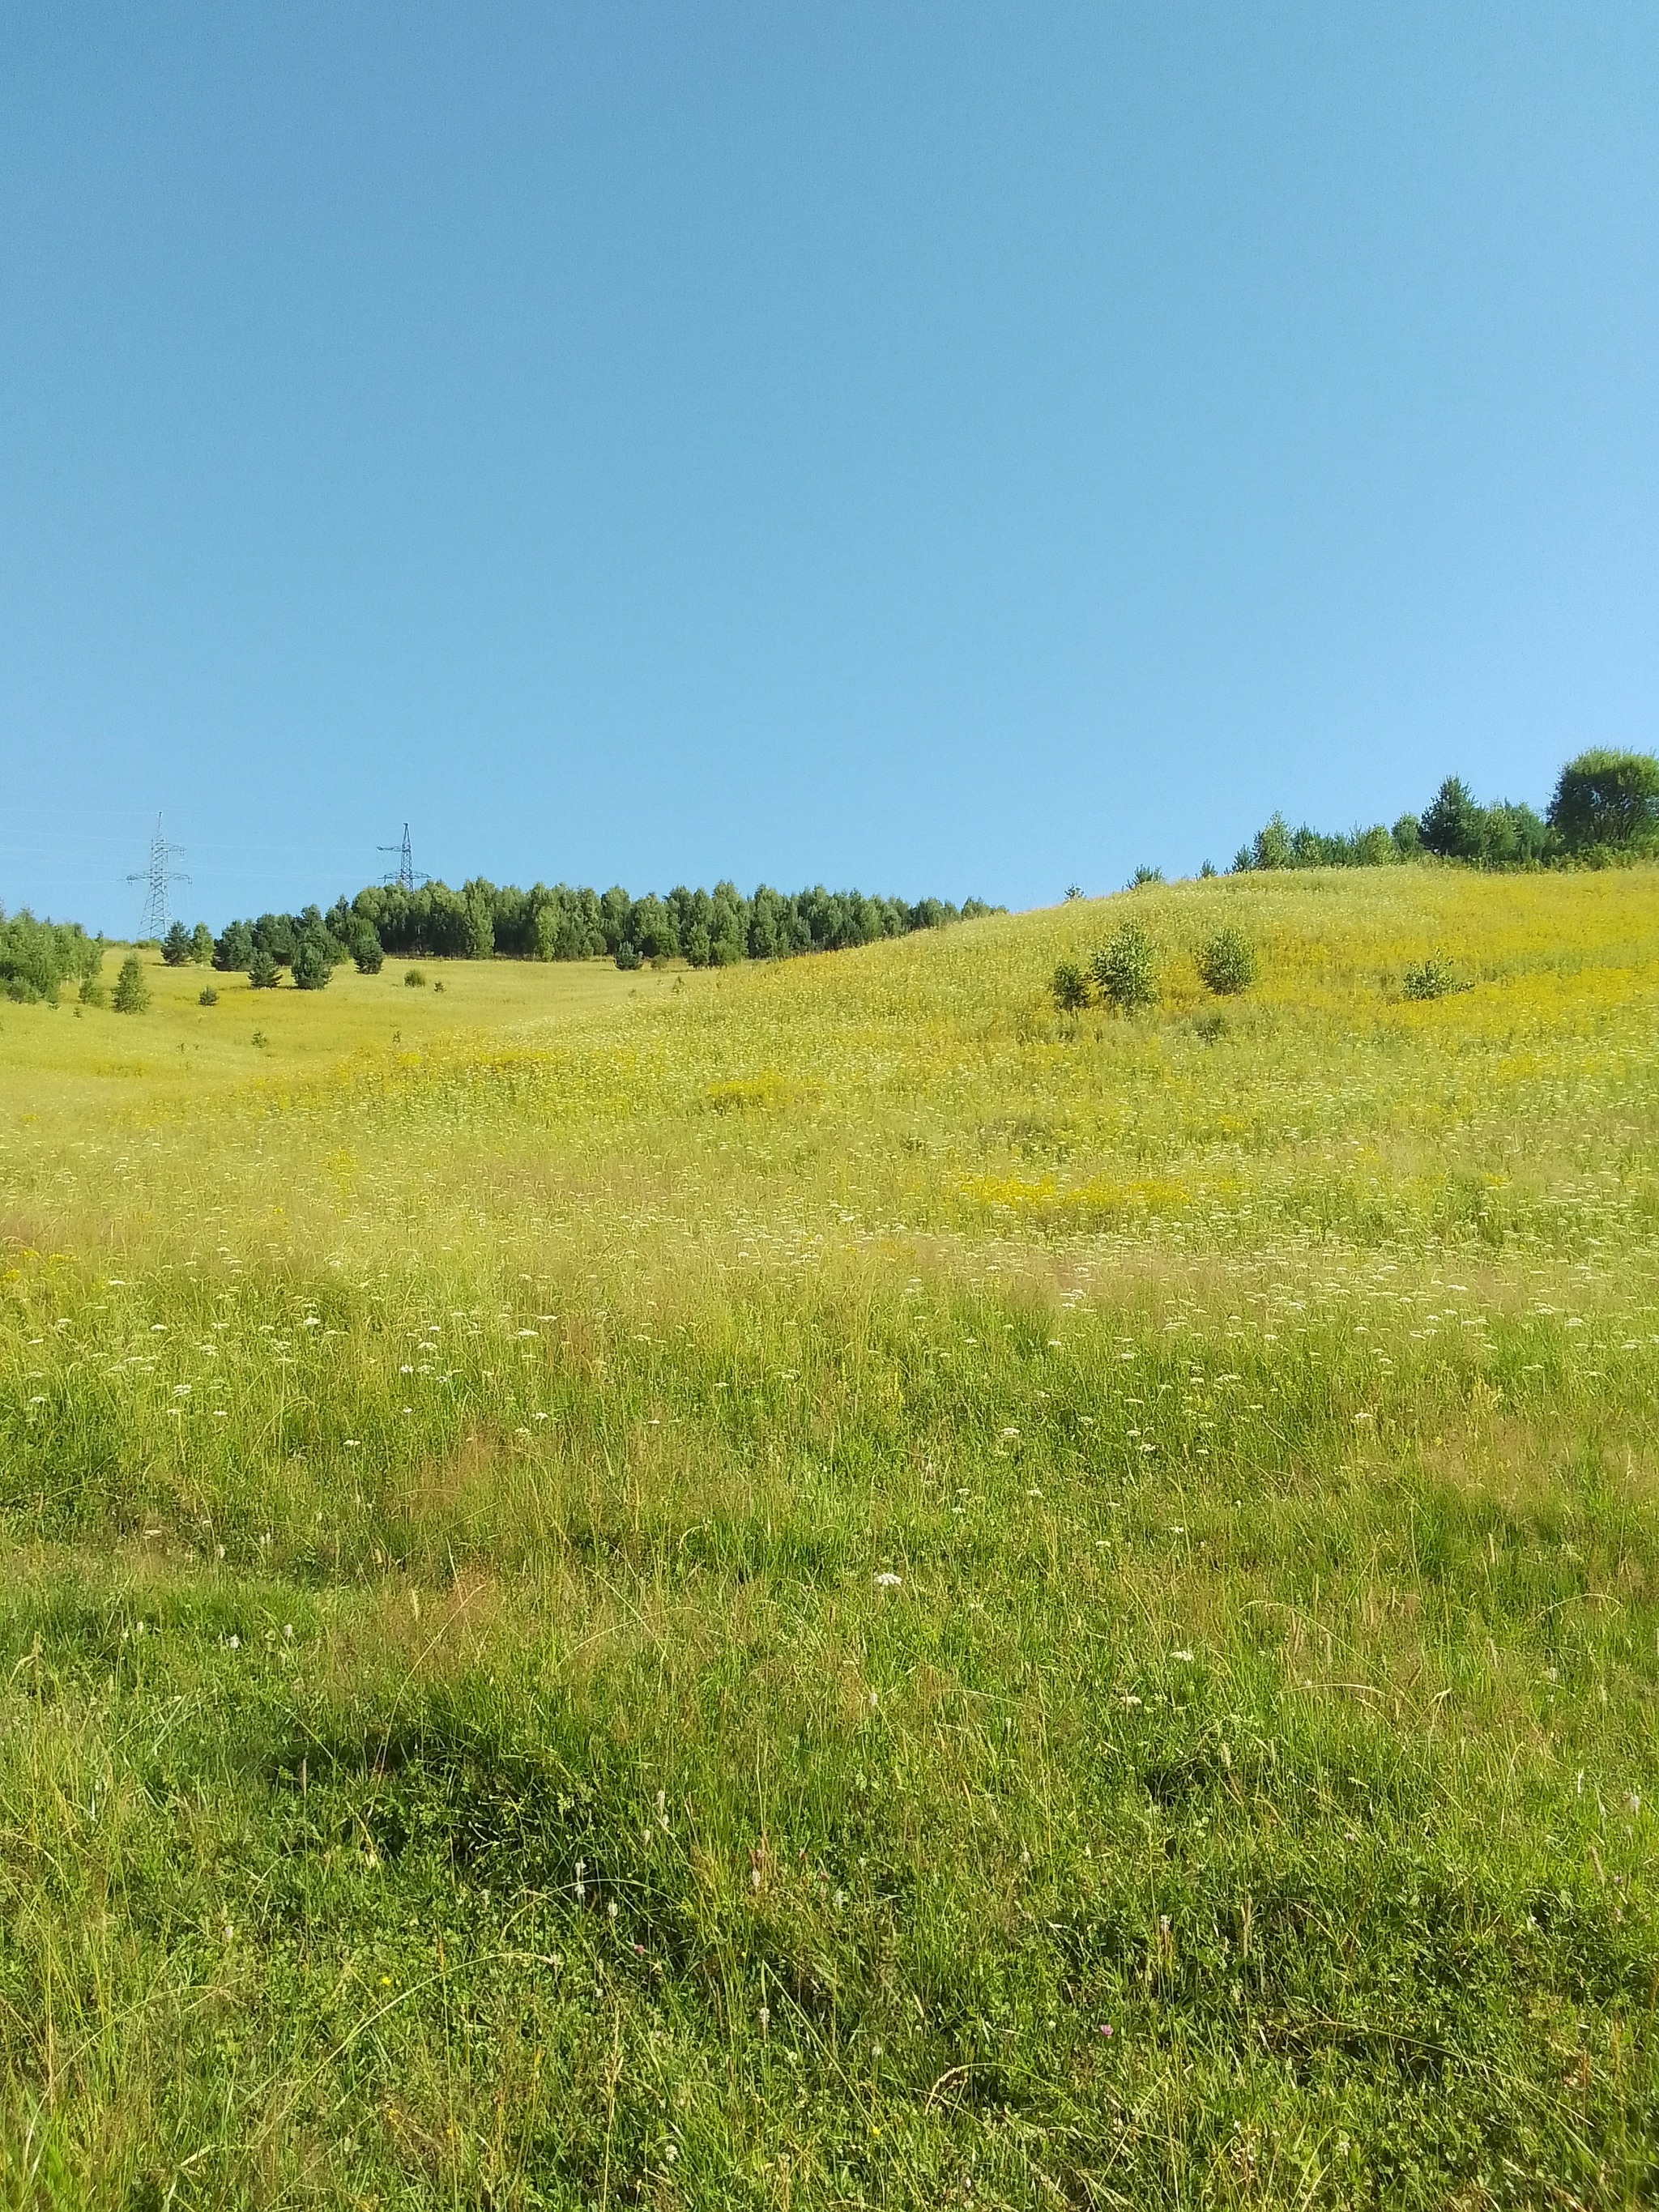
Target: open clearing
809 1585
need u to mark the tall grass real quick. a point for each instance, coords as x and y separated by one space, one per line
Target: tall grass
812 1586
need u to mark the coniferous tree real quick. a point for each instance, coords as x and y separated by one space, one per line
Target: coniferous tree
1452 825
234 948
313 965
365 946
176 945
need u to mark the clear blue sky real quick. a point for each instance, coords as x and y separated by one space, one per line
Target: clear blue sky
944 448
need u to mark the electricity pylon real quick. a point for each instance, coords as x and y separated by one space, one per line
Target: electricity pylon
158 877
405 875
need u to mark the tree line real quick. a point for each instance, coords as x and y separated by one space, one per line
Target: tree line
1605 811
39 959
483 921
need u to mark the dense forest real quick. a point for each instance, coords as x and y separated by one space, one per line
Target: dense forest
1605 811
483 920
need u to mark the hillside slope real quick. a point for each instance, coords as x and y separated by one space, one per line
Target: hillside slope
816 1584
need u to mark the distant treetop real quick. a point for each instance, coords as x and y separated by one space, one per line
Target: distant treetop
1607 800
1606 809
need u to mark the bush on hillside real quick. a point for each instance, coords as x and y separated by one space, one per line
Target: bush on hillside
1069 988
1125 968
1433 978
1227 962
262 970
201 944
176 947
131 991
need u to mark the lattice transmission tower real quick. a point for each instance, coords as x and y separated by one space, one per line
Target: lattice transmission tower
158 879
405 875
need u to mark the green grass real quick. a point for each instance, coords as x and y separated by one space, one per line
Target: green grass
815 1586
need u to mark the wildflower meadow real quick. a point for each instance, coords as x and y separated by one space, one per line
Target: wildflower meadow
835 1582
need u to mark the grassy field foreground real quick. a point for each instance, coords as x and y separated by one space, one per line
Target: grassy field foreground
810 1585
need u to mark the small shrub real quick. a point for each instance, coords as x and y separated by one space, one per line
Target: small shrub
210 997
438 986
1433 978
1069 988
1073 891
369 955
1124 968
628 956
413 980
131 992
93 993
262 970
1227 962
1145 875
260 1039
1210 1029
1207 869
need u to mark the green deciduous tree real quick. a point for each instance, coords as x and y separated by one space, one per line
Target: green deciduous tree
38 958
1512 836
131 991
1227 962
1606 799
1125 968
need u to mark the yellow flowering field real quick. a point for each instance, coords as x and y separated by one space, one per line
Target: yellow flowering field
818 1583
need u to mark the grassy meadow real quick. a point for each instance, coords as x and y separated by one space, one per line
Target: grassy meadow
813 1585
